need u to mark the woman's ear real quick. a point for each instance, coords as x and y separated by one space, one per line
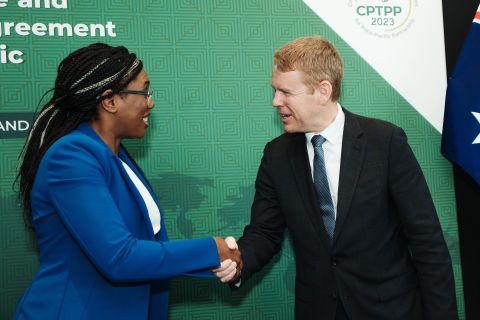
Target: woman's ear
108 104
325 89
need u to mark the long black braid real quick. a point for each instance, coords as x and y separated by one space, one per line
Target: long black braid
81 79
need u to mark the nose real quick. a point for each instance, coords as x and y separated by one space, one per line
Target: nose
151 104
276 102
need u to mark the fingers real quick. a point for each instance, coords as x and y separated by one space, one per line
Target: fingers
230 277
228 251
227 271
224 252
232 244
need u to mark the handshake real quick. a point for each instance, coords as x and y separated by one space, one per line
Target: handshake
230 258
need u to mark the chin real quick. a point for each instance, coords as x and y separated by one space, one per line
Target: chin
289 129
139 136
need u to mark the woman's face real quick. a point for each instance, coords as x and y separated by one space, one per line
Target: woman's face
134 109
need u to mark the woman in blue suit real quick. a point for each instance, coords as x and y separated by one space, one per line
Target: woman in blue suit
104 250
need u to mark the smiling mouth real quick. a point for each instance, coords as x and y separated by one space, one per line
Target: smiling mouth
145 119
285 116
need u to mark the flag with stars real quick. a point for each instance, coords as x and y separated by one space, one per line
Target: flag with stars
461 123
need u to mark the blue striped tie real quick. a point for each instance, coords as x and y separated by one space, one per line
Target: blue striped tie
322 189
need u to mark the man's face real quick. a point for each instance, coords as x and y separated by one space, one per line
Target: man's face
299 110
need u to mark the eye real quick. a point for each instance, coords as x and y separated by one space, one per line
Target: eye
284 93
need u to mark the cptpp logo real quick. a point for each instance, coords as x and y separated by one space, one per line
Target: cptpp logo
384 19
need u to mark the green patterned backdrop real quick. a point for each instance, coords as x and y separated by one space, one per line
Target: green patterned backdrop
209 63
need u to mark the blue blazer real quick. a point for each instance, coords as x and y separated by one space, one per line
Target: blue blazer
99 256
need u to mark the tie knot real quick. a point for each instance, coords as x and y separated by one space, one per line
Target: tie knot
318 140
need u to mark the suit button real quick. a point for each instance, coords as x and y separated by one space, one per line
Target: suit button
334 297
334 261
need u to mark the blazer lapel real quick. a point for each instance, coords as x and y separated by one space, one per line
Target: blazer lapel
135 192
353 154
301 170
86 129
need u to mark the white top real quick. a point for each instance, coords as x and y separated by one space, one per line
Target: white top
153 211
332 149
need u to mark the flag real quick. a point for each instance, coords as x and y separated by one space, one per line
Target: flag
461 122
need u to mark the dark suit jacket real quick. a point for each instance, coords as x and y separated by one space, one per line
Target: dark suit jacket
388 259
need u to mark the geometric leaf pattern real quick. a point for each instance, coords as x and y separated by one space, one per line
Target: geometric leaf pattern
209 63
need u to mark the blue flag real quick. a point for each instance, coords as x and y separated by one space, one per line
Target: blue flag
461 123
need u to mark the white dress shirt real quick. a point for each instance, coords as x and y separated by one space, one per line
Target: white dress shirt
332 149
153 211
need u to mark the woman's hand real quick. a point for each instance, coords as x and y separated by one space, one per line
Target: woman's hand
231 260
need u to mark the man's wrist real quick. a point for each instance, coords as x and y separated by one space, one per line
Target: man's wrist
237 282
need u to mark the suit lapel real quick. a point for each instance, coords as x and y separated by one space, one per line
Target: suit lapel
353 154
86 129
301 170
135 192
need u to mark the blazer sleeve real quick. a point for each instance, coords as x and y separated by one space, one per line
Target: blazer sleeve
77 175
263 237
422 229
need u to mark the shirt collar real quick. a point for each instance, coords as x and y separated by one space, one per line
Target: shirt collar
334 131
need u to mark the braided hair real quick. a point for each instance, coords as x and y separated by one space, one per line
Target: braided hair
82 77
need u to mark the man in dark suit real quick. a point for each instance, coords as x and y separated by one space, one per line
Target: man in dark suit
387 257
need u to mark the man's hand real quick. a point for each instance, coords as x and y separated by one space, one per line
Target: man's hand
230 258
227 271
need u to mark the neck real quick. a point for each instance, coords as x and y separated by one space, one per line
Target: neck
327 117
106 135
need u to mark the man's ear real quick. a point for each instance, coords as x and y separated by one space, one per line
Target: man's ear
325 90
108 104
